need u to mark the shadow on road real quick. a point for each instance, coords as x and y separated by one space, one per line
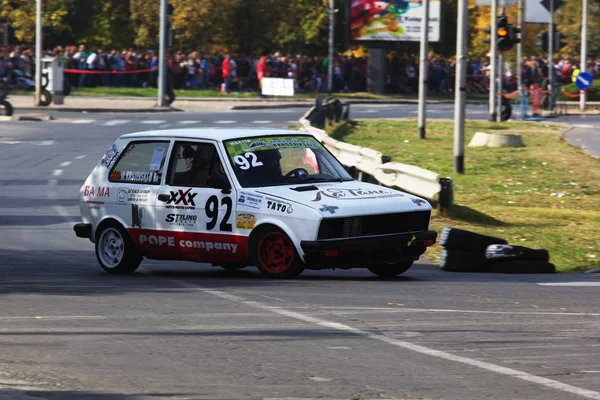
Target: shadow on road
12 394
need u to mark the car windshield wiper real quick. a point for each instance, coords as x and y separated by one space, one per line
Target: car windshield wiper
318 179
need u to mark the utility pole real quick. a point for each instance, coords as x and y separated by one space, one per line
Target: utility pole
521 5
162 56
460 86
583 66
493 51
550 55
330 63
423 69
38 53
500 77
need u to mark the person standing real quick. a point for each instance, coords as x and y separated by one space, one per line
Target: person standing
261 72
226 71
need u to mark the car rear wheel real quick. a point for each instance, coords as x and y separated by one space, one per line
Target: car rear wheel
390 270
276 256
115 250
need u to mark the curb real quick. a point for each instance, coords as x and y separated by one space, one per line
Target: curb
101 110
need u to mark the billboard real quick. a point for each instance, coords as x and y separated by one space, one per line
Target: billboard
392 20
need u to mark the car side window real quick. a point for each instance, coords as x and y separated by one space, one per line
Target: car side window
193 164
140 162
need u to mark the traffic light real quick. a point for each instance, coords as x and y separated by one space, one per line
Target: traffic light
502 32
559 42
512 34
542 41
487 39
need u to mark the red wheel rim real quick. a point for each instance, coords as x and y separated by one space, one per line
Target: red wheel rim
275 253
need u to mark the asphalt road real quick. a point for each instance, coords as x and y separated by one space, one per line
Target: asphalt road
181 330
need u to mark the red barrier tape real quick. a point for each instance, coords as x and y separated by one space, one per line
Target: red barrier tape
573 96
95 72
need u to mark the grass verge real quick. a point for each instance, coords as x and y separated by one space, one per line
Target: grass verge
545 195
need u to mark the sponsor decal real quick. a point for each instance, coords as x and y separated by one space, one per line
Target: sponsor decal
278 205
128 196
115 175
94 207
186 220
96 191
238 147
94 202
356 194
251 200
110 157
137 216
182 200
208 246
139 176
418 202
330 209
245 221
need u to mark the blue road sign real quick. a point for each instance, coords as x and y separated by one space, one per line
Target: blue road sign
584 80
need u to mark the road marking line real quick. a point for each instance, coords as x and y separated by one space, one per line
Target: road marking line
569 283
292 122
81 157
10 142
225 122
57 172
116 122
64 164
188 122
83 121
153 121
261 122
45 143
583 126
550 383
338 348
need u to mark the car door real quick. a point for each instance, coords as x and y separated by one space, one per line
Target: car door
195 209
136 178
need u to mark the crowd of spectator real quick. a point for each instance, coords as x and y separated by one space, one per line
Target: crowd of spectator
238 72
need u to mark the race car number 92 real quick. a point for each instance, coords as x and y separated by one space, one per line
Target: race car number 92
212 211
247 160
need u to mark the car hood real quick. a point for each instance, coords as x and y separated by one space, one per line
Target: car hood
348 198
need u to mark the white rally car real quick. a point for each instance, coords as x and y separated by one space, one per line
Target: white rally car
273 198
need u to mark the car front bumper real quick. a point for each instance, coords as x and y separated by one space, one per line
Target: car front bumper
366 250
83 230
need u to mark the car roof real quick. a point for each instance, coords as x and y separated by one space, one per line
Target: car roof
218 134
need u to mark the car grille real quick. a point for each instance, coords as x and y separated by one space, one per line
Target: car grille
369 225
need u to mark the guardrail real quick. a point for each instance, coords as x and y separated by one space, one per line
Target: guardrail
372 165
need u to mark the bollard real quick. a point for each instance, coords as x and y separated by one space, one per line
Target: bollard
337 110
446 196
346 113
320 119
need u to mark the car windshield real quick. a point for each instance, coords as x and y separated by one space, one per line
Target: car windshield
283 160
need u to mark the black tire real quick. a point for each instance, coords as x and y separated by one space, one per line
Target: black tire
8 108
4 89
463 261
523 267
459 239
275 254
391 270
45 97
44 80
114 244
505 252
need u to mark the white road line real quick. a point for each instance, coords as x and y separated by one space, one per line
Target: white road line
188 122
549 383
153 121
10 142
45 143
570 284
81 157
225 122
57 172
292 122
583 126
64 164
114 122
82 121
261 122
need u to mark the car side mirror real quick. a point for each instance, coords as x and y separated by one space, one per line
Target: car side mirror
219 182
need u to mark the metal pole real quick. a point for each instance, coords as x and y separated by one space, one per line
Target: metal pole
550 57
493 51
500 75
521 5
330 63
583 66
162 56
423 69
460 85
38 53
5 30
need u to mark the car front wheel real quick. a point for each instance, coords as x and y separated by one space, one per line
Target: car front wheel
276 256
115 250
390 270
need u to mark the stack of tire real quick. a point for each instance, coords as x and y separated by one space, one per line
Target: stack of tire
466 251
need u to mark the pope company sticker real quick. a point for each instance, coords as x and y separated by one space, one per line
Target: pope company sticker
245 221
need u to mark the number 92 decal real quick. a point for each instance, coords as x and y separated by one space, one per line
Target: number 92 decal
247 160
212 212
